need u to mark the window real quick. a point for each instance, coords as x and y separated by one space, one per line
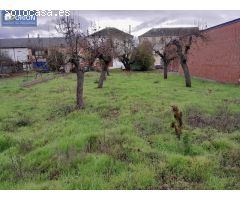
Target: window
39 52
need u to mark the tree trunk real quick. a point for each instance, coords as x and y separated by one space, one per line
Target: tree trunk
127 67
80 82
108 73
165 69
102 77
186 74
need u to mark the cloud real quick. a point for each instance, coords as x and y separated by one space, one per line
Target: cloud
187 18
139 19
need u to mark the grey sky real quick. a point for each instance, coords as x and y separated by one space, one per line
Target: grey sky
140 21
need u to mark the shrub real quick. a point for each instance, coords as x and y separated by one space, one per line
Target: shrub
55 60
144 59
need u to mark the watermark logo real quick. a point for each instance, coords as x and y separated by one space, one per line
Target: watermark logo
19 18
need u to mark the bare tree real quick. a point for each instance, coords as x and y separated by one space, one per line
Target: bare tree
167 54
105 55
182 47
77 53
104 50
125 50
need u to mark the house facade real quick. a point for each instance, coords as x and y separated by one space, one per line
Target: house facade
218 56
117 36
30 51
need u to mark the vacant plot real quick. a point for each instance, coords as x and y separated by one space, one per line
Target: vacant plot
122 139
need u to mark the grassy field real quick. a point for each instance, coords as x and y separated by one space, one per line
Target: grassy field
122 139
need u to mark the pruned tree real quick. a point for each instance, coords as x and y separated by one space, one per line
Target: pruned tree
79 52
182 47
125 52
167 54
105 55
104 50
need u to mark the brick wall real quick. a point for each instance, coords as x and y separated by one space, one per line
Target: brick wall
218 58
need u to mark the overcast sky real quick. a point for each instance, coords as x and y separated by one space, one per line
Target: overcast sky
140 21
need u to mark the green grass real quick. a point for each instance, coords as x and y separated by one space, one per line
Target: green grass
121 140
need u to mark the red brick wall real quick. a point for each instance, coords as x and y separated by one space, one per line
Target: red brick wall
218 58
174 65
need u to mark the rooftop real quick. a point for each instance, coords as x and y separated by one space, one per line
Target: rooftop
110 32
156 32
223 24
32 42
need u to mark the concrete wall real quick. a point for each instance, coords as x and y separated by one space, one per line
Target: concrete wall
17 54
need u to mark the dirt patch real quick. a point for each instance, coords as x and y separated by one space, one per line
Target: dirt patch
223 120
37 81
60 89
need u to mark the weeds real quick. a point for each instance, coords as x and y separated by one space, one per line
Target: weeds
125 144
187 144
17 165
5 142
230 158
61 111
25 146
149 125
112 145
178 123
110 113
16 121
